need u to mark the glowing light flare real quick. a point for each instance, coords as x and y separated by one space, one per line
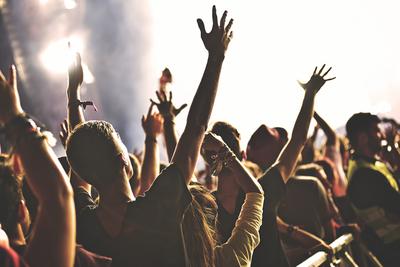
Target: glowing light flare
60 54
57 56
43 2
70 4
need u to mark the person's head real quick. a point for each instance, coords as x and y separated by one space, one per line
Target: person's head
364 133
97 154
199 227
265 145
314 170
230 135
13 211
329 169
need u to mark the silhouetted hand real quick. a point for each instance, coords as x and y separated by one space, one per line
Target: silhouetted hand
64 132
153 123
166 107
10 105
217 40
212 144
317 80
75 74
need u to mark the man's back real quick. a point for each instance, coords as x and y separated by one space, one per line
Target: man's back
305 205
151 232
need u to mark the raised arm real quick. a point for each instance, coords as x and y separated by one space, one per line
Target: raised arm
221 158
188 147
52 241
245 235
152 126
331 138
168 111
75 111
75 79
289 155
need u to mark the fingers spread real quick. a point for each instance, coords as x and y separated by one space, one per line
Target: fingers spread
320 71
315 71
223 18
200 23
181 108
327 72
214 16
228 27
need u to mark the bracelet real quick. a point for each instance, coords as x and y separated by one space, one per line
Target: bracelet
291 228
221 160
84 104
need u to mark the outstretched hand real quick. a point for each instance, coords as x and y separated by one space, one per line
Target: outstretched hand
10 105
75 73
166 107
217 40
152 123
212 144
317 80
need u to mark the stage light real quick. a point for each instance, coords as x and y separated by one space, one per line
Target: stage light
57 56
70 4
60 54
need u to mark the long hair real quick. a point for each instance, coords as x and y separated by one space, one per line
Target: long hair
199 227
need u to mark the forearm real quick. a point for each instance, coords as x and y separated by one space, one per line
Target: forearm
290 153
170 137
203 101
331 136
244 179
303 237
151 164
53 236
188 147
75 111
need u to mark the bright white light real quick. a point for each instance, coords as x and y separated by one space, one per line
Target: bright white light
70 4
277 42
58 56
43 2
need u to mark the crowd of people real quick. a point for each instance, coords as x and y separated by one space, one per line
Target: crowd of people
274 203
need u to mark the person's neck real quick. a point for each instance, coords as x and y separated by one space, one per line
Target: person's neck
116 194
367 153
114 199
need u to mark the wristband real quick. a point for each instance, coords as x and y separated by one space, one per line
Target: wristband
84 104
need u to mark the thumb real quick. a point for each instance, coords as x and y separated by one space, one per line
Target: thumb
180 109
200 23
